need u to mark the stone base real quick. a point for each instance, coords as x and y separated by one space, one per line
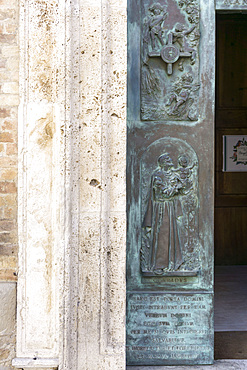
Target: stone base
7 323
39 363
218 365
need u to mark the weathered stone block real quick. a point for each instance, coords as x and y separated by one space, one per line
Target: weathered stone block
7 324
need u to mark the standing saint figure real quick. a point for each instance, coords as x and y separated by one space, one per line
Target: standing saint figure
154 26
160 221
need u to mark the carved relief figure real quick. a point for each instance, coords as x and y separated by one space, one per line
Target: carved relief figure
181 99
154 26
160 220
179 36
152 41
169 232
154 38
184 172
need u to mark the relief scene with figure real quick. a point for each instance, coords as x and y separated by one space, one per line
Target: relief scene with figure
169 60
170 241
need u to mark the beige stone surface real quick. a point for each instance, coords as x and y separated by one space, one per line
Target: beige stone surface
102 227
40 185
9 100
7 324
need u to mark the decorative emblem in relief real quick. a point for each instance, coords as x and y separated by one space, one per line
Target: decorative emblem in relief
170 52
170 46
170 242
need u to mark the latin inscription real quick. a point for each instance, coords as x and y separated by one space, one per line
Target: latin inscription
170 327
177 280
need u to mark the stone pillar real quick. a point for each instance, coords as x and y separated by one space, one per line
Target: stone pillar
72 133
9 100
40 184
101 327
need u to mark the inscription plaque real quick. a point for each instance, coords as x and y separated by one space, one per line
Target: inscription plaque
165 329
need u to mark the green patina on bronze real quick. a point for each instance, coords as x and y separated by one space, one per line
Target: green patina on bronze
169 210
169 60
169 328
170 183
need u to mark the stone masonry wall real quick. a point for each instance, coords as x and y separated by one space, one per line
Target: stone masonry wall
8 177
8 137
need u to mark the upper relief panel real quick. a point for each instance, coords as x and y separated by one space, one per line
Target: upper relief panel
170 60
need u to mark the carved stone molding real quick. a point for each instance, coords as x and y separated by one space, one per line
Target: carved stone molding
231 4
40 364
40 142
102 185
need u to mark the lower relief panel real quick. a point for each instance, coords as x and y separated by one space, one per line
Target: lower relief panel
169 328
169 210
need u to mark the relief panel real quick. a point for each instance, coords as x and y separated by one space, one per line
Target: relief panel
170 182
170 60
169 210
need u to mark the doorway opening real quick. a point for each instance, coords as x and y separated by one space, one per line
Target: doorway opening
231 187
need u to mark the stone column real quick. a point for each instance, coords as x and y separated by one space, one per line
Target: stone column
72 133
102 228
40 183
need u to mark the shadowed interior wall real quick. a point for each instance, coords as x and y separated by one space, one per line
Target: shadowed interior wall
231 116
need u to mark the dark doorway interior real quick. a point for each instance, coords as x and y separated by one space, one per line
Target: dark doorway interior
230 190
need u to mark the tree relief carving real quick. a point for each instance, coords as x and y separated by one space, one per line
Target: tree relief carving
170 44
170 241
